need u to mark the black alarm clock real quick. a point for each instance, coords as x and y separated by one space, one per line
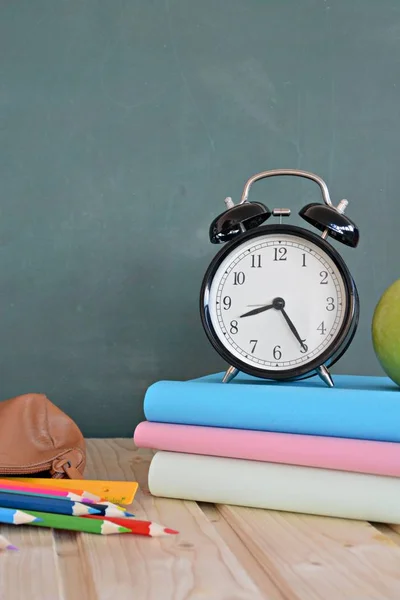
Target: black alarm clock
278 301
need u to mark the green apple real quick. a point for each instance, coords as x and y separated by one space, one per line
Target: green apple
386 331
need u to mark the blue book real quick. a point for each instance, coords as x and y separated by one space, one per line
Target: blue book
356 407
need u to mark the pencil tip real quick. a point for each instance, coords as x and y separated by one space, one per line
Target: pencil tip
171 531
27 518
124 530
90 496
11 547
93 511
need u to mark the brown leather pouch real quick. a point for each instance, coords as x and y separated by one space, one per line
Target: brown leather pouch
38 439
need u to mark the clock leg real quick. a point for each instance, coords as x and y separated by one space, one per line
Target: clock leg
325 376
230 374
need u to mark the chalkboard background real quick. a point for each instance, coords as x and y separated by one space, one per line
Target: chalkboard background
123 126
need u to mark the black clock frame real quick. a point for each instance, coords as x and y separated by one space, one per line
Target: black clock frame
341 341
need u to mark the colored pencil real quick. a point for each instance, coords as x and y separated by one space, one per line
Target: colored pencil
5 544
148 528
111 510
49 489
61 506
121 509
120 492
11 516
117 511
77 495
54 521
32 491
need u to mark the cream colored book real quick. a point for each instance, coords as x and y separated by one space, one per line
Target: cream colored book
281 487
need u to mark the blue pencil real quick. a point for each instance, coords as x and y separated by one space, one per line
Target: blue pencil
11 516
61 506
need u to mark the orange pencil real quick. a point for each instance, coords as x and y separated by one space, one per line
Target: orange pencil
148 528
119 492
56 491
13 486
50 489
76 495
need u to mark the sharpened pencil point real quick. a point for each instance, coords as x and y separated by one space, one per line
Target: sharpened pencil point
113 506
22 517
93 511
124 530
107 527
11 547
90 496
171 531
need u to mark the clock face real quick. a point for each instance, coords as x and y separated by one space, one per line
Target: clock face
277 301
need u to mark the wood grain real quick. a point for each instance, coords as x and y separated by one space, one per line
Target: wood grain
222 553
32 572
389 531
318 558
195 564
247 560
394 531
73 566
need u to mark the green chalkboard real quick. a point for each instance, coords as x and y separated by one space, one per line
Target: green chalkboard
124 125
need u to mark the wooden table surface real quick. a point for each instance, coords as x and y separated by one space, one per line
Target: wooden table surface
222 552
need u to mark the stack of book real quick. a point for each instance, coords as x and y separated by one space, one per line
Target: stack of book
299 447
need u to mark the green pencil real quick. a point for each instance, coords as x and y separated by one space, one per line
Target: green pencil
57 521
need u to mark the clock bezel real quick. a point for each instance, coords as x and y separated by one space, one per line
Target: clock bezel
333 351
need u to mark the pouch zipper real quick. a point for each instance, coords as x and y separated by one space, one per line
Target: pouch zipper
45 466
26 470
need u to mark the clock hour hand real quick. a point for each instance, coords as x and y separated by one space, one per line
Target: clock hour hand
293 329
256 311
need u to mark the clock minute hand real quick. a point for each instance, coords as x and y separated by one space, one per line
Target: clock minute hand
293 329
256 311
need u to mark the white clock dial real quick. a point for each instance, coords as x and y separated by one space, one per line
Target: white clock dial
288 272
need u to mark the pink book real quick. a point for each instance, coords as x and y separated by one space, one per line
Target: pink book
343 454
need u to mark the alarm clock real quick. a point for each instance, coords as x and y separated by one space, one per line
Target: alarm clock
278 301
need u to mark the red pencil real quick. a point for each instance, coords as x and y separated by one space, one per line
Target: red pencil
148 528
